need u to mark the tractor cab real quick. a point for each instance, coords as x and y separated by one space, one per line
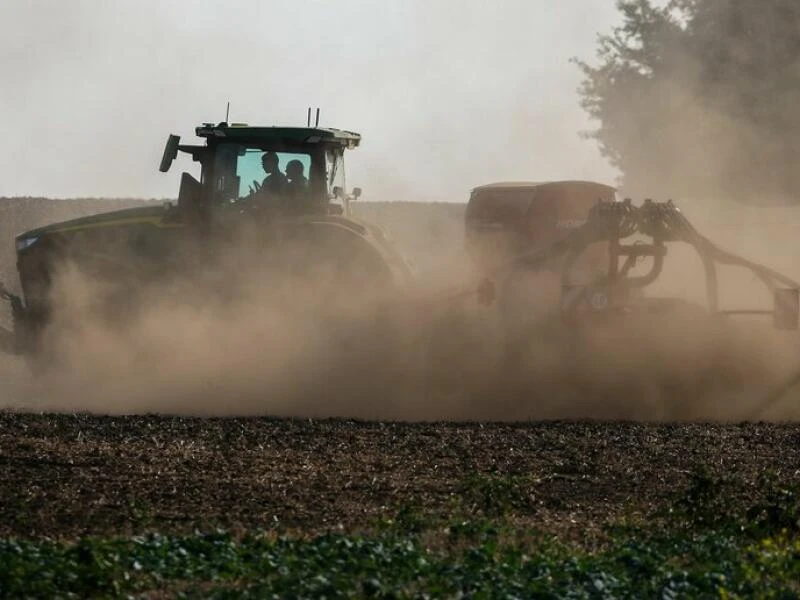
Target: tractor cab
263 171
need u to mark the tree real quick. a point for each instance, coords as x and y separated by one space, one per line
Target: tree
700 97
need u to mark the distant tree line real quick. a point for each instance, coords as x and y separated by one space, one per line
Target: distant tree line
700 97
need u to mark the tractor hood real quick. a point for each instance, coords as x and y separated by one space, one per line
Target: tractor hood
128 216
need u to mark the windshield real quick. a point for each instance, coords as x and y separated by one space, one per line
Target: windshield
256 168
289 180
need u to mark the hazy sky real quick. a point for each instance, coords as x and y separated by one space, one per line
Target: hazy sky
447 95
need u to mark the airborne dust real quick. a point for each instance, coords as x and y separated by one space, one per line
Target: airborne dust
247 342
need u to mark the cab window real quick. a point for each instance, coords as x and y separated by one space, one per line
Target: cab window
240 171
250 171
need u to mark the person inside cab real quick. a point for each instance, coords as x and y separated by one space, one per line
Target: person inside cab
275 181
268 197
297 181
297 196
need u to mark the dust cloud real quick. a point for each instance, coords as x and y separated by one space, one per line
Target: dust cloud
691 137
236 336
455 109
244 339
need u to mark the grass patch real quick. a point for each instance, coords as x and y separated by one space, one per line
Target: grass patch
634 564
699 548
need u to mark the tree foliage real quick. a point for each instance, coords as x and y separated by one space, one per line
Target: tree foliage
700 97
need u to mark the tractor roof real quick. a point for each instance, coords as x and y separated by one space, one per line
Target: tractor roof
307 135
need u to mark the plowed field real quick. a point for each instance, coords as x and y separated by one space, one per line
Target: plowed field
69 475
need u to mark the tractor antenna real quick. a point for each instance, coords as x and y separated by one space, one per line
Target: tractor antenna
316 124
308 118
227 111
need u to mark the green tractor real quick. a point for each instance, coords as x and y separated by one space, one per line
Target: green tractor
282 186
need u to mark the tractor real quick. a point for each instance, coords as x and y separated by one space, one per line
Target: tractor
285 186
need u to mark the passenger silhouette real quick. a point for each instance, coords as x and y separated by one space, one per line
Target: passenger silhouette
275 181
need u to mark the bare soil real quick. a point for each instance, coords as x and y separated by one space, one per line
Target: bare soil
69 475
